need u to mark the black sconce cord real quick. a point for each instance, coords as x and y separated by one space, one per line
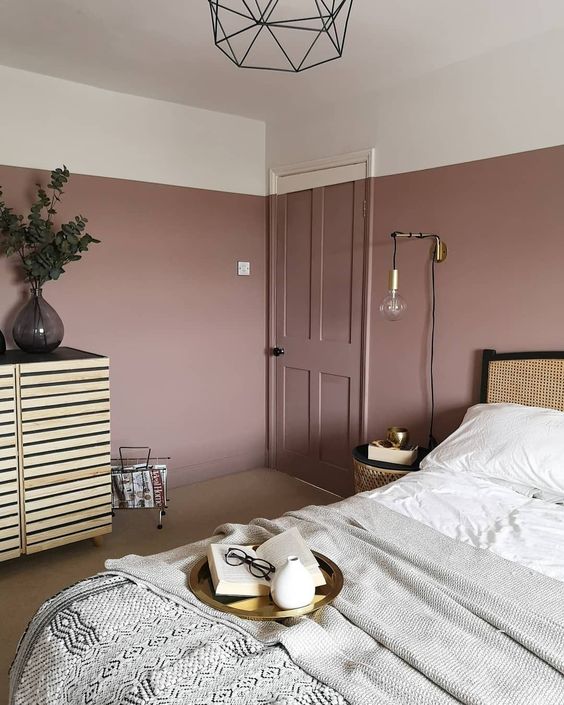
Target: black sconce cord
432 442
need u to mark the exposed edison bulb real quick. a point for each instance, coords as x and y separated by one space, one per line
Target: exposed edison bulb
393 306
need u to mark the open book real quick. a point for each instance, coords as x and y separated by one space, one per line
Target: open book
237 580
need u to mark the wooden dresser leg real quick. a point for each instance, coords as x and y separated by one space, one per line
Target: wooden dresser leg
98 541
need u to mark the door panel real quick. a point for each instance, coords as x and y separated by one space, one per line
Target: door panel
297 265
335 412
296 411
337 251
319 300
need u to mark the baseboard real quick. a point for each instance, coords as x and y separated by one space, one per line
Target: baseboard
216 467
311 484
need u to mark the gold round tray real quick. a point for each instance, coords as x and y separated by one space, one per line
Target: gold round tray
263 607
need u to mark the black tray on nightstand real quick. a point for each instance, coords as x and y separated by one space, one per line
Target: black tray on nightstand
360 453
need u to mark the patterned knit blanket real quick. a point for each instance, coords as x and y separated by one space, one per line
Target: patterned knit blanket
422 620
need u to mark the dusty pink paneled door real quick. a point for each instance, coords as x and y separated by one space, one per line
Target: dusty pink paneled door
319 314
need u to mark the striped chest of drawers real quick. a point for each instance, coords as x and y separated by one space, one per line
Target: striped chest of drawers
10 536
54 450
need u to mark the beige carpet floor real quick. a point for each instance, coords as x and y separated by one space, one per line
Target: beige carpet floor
194 512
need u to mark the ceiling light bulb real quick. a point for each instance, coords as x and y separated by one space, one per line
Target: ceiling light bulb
393 306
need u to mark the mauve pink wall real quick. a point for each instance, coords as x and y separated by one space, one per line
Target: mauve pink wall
502 285
186 335
161 297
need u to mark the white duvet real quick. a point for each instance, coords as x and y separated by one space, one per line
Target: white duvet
484 514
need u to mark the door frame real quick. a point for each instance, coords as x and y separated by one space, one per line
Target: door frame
297 177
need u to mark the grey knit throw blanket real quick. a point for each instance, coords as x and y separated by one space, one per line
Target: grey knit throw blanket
422 620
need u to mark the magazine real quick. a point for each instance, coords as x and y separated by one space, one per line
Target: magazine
139 486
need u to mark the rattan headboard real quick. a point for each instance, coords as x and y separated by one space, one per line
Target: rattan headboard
530 378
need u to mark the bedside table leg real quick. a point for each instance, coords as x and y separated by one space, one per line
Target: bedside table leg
98 541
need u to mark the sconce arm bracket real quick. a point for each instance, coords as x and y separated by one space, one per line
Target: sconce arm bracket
439 251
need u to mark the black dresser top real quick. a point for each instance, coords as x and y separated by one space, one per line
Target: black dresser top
18 357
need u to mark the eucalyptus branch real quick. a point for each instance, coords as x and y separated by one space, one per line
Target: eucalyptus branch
43 251
51 210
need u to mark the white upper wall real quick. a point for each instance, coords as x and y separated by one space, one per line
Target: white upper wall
504 102
45 122
510 100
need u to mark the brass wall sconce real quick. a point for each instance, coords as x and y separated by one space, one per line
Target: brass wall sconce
393 306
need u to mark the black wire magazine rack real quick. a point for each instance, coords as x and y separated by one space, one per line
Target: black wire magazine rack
140 481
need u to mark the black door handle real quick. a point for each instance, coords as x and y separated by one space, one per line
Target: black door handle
278 351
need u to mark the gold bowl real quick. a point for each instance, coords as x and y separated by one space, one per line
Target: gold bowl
398 436
263 607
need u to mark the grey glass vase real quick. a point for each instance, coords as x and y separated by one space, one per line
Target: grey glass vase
38 327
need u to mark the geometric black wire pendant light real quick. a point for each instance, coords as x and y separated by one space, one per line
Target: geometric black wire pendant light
280 35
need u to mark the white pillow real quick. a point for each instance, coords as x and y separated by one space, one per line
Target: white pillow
518 444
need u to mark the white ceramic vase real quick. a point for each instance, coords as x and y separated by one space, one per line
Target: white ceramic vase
292 585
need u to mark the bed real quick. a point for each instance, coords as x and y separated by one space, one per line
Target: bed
453 588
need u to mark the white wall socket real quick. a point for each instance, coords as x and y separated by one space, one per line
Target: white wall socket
244 269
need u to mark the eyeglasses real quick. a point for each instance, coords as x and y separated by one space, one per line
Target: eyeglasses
257 566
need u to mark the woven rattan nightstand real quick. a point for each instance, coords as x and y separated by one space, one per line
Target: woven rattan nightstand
371 474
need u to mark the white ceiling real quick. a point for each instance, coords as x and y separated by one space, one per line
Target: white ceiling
163 48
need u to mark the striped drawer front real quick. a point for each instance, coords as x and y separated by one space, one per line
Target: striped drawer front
65 431
67 511
10 541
